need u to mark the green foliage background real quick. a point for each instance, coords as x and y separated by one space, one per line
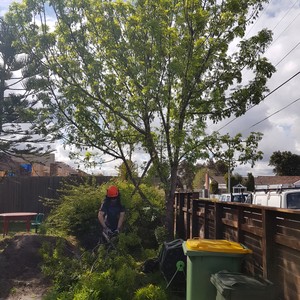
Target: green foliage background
95 272
76 212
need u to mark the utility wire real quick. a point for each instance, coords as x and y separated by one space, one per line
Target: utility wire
278 61
285 15
281 85
288 54
284 30
276 112
263 11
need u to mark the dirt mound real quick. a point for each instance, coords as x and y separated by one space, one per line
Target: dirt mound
20 265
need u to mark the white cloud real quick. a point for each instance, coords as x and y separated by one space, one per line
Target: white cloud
4 5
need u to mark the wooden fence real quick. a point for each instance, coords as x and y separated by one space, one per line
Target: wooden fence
25 193
272 234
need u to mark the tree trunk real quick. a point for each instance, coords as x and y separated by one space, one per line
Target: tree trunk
170 195
170 216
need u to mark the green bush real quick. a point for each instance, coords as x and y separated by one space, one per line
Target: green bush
61 267
150 292
109 275
77 212
104 274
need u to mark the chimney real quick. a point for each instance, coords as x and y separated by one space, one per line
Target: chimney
207 181
206 191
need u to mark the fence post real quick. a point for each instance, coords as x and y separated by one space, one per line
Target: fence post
240 237
180 232
267 242
187 215
194 219
206 221
218 226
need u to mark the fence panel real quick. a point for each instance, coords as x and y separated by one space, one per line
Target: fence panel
272 234
25 193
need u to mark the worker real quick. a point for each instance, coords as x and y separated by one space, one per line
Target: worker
112 213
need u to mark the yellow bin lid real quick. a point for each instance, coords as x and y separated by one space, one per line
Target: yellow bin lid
224 246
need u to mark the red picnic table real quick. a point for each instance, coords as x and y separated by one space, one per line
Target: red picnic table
23 216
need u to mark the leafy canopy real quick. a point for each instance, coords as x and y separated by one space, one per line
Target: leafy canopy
21 112
285 163
147 75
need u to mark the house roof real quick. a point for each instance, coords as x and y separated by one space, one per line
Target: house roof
218 179
68 170
40 167
7 164
267 181
66 167
271 180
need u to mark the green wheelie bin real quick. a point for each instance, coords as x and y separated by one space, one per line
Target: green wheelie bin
206 257
236 286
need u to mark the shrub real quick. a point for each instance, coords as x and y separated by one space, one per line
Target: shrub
102 274
150 292
76 214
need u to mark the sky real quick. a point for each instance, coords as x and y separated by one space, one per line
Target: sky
277 117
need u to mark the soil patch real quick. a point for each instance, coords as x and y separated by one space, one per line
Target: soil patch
20 264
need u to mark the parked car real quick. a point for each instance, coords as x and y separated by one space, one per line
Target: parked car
225 198
234 197
281 198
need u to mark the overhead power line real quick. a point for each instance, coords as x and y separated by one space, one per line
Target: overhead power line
277 88
288 54
284 30
261 14
285 15
276 112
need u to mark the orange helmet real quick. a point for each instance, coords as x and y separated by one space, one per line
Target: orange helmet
112 192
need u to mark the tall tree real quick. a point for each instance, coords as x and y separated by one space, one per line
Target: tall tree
218 167
285 163
234 150
235 179
249 182
19 116
147 74
186 173
199 179
213 187
123 173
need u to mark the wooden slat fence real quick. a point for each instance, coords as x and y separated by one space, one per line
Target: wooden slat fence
24 193
272 234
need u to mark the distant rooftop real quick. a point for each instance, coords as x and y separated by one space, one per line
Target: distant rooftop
272 180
